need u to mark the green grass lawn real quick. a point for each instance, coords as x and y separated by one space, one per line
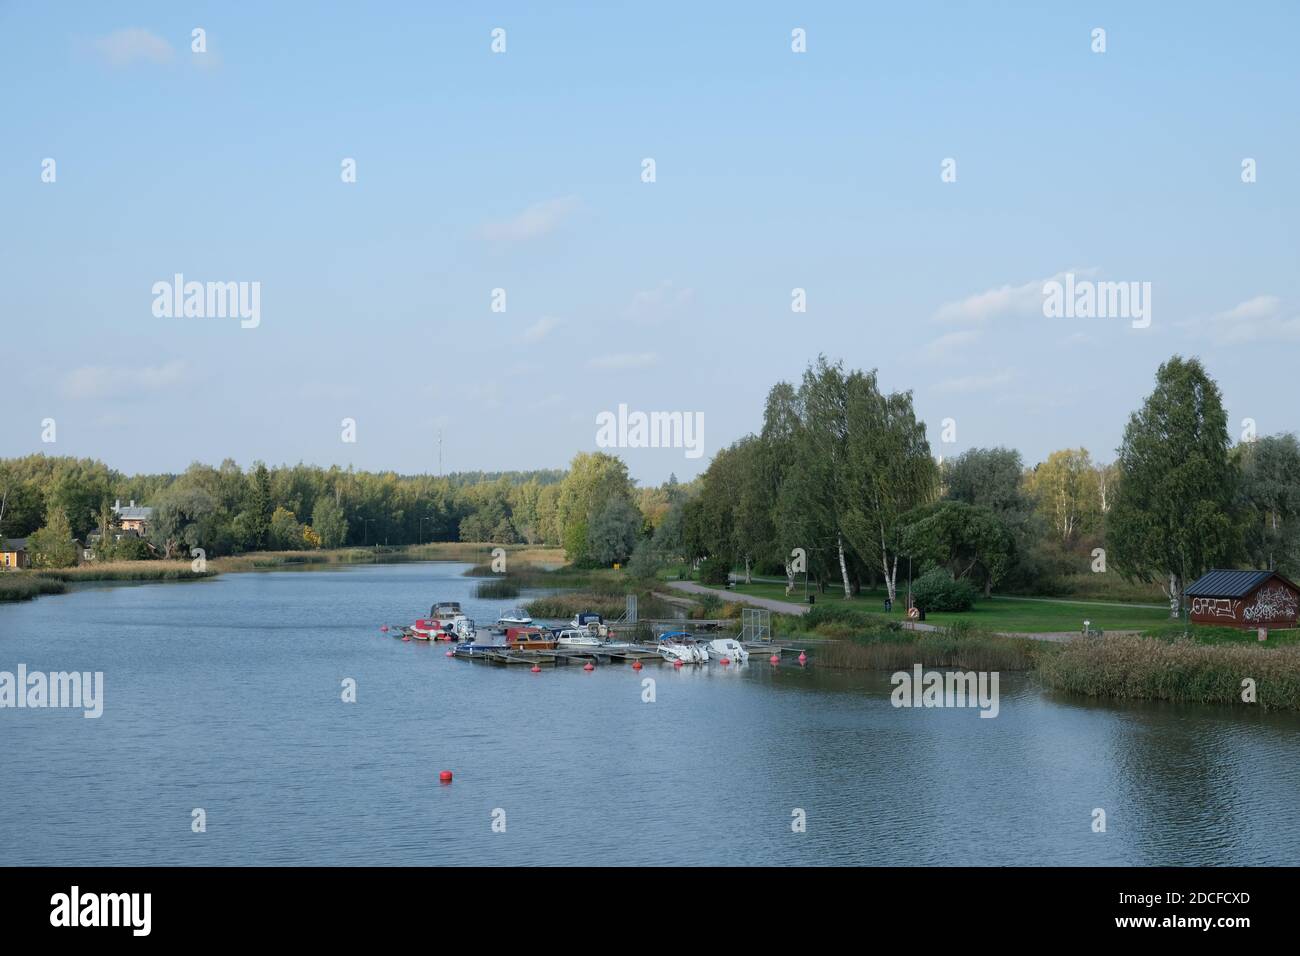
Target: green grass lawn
1012 615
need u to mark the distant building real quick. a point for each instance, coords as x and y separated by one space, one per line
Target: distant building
132 517
13 553
1246 599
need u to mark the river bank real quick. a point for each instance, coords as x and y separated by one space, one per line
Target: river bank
27 584
1205 665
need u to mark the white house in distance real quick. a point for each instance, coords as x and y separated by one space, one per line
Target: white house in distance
133 517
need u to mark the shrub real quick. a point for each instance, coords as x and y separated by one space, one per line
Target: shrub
937 591
716 572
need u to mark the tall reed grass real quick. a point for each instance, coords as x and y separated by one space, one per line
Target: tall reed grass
1178 670
15 586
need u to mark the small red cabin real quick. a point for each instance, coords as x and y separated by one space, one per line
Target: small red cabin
1246 599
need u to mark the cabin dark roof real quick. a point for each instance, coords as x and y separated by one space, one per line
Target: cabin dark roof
1230 584
13 544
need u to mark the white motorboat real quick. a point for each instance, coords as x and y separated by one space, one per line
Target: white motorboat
729 648
587 621
515 617
464 629
680 646
578 638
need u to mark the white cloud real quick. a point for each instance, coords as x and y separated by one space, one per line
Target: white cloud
1261 319
1008 301
101 381
133 44
539 330
537 220
945 345
973 383
623 360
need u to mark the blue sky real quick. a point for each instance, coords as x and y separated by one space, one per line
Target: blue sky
522 171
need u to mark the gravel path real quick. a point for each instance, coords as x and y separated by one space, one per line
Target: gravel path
789 607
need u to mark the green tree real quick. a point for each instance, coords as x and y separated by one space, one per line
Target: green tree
260 506
614 532
888 471
1270 501
329 522
183 518
285 531
968 541
52 546
594 480
1172 517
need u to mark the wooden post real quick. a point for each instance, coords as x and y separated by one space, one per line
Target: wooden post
1263 634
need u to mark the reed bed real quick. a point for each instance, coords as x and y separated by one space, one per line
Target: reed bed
128 571
497 589
1179 670
952 647
569 603
16 586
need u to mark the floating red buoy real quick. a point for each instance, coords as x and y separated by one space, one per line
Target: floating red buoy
445 776
775 659
803 658
384 628
406 637
677 663
589 666
636 665
536 669
725 661
451 654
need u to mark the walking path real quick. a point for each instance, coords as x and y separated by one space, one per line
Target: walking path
789 607
780 607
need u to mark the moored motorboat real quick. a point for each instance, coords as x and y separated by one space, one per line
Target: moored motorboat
473 649
514 617
729 648
574 637
680 646
529 639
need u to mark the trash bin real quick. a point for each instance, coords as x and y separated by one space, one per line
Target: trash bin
889 605
812 599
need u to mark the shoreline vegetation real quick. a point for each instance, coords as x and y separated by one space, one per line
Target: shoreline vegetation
1159 663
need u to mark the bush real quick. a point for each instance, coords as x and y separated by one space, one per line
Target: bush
937 591
716 572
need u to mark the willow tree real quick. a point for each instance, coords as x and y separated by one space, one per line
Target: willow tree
1171 520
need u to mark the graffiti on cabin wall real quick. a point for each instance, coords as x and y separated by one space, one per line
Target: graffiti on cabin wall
1216 607
1273 603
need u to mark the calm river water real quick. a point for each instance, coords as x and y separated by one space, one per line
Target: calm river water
225 695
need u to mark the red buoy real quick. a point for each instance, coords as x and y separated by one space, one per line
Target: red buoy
537 669
451 653
775 659
589 666
406 637
725 661
677 663
636 665
384 628
445 776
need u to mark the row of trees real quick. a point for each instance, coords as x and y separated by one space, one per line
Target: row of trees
840 483
593 509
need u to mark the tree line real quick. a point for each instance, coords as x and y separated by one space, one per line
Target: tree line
840 483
